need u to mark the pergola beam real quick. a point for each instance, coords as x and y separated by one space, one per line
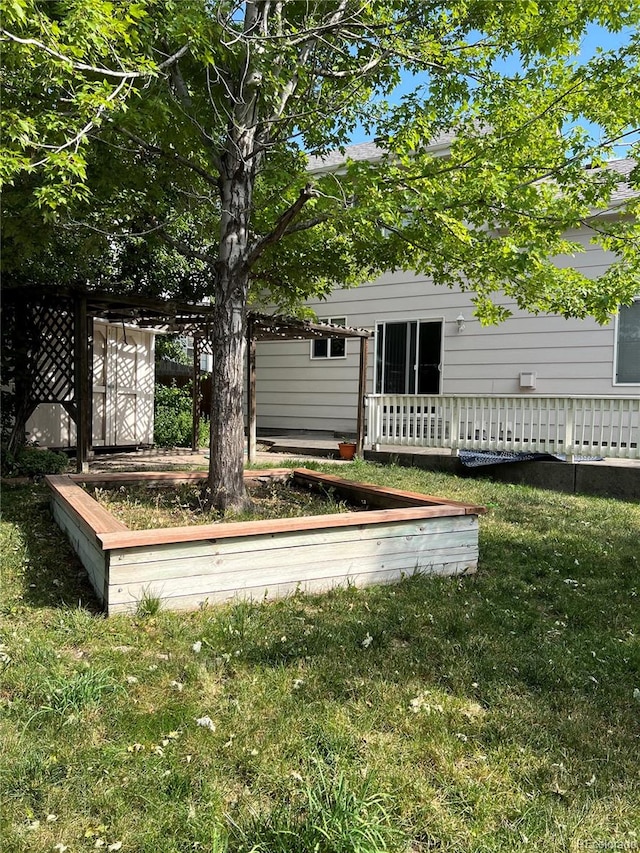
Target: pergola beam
252 419
195 396
86 305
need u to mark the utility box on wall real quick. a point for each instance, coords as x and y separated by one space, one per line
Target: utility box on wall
528 380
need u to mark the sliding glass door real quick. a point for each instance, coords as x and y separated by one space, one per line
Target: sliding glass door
408 357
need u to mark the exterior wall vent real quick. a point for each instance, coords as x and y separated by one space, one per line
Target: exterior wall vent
528 380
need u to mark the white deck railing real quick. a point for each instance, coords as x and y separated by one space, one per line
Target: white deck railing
585 426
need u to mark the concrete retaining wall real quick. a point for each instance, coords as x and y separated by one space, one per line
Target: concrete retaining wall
590 478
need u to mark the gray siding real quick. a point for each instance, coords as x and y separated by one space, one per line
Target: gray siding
570 357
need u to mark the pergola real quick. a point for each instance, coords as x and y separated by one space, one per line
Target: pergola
47 350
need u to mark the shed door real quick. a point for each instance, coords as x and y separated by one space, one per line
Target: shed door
123 386
125 390
99 423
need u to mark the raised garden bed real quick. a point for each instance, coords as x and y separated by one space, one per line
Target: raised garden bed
398 533
178 505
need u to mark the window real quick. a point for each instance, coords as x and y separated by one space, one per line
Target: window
206 359
628 344
333 347
408 357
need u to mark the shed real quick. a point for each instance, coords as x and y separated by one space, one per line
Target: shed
122 384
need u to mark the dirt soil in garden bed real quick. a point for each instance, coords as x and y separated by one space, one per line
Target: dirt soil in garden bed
142 508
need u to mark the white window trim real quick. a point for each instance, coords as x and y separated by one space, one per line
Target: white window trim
330 320
615 354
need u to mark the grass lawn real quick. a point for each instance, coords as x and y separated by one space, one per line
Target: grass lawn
494 712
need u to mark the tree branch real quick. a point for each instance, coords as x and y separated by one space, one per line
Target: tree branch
621 238
354 72
77 139
306 225
185 250
282 225
112 235
95 69
549 173
169 155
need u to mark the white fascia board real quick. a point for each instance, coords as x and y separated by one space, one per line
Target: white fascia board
440 149
154 330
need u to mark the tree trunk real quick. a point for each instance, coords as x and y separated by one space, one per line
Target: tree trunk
226 460
239 165
231 292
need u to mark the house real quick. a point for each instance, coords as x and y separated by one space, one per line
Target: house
429 350
435 376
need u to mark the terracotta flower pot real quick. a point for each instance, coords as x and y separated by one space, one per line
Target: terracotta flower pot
347 449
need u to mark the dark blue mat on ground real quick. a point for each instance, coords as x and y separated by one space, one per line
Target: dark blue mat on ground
478 458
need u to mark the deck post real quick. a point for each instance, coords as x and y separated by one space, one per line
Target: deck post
195 402
569 437
362 392
252 430
82 383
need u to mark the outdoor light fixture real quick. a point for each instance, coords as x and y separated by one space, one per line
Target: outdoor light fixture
460 322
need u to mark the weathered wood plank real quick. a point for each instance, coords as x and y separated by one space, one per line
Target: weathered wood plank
92 517
323 563
205 585
142 478
287 559
164 478
93 559
139 538
378 495
189 600
247 545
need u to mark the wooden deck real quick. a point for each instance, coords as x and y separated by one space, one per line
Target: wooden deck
395 534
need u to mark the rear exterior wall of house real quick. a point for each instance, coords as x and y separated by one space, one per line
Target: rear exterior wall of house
420 348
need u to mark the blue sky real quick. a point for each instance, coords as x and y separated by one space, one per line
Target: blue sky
596 38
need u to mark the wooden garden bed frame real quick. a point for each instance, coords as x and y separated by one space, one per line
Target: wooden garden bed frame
400 533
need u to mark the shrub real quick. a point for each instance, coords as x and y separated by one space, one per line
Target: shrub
34 462
173 418
170 348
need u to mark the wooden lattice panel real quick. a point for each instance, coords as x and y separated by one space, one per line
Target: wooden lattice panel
205 345
52 356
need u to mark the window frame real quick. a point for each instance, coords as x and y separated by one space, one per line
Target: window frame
616 349
329 357
406 320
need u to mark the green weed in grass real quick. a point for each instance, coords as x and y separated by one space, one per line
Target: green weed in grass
329 814
66 695
148 606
